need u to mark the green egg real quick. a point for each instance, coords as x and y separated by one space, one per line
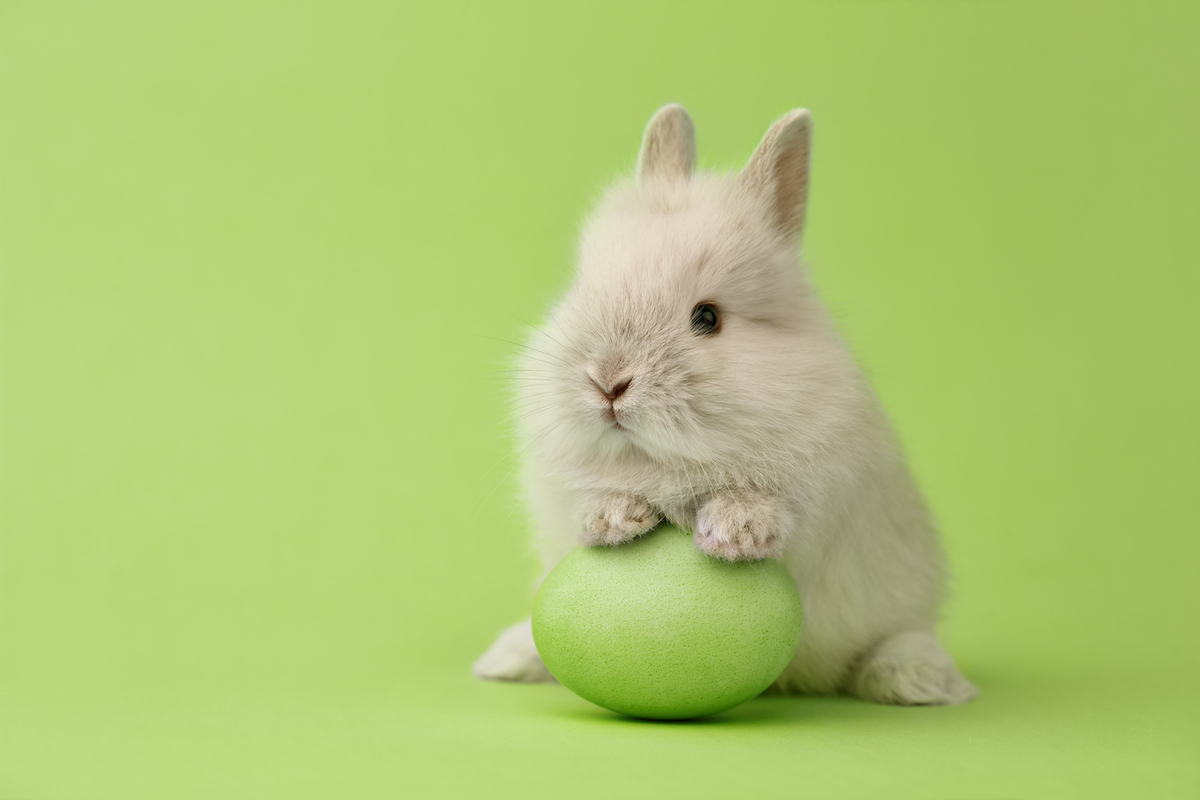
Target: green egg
657 629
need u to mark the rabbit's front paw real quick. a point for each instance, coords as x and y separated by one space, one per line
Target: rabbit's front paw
612 518
740 526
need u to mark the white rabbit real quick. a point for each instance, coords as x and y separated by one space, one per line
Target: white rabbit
692 373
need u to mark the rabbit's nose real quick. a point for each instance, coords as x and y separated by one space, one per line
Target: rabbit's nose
611 393
618 389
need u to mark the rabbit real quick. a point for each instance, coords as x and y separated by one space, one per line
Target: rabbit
692 374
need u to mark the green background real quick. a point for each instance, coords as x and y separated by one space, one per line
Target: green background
257 266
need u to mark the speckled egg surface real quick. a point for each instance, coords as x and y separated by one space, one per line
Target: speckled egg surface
655 628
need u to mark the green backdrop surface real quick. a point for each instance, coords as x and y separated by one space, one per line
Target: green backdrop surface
260 266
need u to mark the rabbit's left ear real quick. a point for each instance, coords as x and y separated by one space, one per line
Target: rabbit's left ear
779 169
668 145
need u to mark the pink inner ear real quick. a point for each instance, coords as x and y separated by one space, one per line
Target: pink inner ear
668 146
779 169
790 175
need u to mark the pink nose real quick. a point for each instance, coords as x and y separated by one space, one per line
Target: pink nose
616 391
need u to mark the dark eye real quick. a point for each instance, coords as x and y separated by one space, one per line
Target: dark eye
706 319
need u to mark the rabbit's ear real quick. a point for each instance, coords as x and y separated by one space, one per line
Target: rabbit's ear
779 169
668 145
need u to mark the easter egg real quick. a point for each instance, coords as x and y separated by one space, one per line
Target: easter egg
654 628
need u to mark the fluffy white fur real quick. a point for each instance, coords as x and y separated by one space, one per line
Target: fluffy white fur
764 438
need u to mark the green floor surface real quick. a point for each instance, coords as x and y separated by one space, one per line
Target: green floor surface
1031 736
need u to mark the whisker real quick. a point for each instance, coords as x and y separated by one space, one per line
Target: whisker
543 330
493 466
492 492
563 331
525 348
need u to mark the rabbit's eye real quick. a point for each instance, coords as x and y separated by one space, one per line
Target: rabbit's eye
706 319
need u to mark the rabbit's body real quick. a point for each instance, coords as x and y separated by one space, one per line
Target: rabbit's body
759 432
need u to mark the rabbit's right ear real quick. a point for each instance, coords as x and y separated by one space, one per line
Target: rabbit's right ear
779 169
668 145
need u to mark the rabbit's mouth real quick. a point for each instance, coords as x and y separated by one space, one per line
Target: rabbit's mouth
613 417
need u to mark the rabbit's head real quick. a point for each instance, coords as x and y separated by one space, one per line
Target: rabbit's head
690 327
